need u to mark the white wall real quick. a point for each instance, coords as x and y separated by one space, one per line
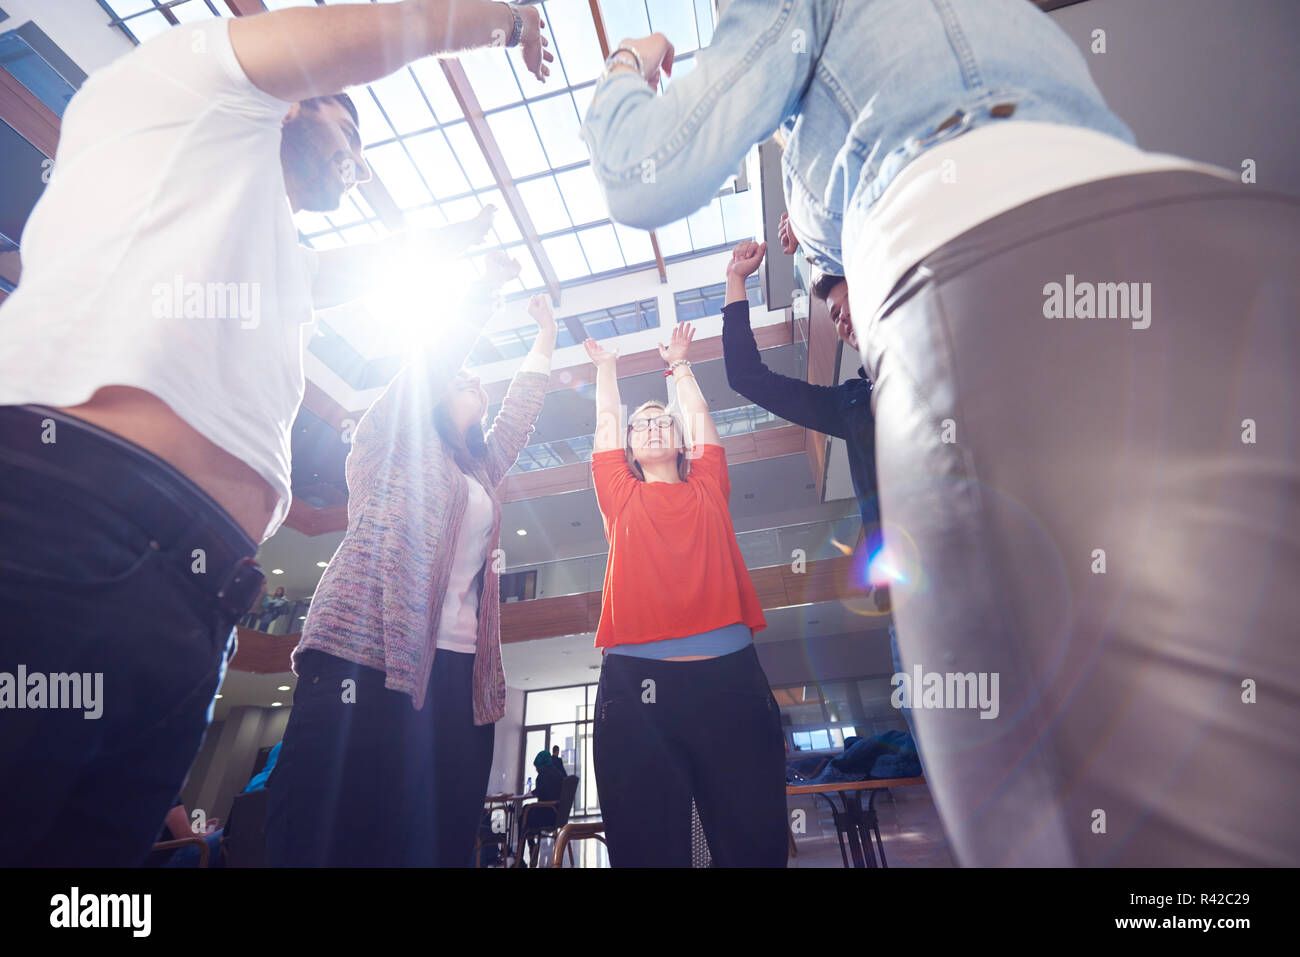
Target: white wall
505 753
1213 80
225 763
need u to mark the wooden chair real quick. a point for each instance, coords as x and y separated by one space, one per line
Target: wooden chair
576 831
244 839
161 852
563 808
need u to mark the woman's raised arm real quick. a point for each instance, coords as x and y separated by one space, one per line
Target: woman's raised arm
695 409
608 403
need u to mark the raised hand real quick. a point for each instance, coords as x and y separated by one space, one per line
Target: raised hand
785 233
533 44
680 344
602 357
499 268
471 232
745 258
539 307
482 223
656 56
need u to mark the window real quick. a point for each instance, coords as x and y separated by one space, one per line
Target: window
518 586
820 716
706 301
600 324
558 705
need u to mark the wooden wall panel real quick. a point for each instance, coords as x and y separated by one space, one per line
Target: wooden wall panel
263 654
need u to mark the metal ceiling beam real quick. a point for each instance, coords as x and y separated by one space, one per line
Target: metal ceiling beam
246 8
478 125
599 20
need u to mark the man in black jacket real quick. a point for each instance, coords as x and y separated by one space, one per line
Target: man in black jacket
842 411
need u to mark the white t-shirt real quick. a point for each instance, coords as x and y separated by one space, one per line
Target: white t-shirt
458 626
163 255
974 178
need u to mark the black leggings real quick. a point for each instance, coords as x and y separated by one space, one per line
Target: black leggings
670 731
373 782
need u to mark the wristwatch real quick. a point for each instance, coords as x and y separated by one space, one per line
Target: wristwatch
626 56
516 34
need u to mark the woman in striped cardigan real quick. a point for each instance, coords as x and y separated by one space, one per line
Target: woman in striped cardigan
388 749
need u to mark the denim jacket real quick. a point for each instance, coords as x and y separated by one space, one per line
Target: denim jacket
860 87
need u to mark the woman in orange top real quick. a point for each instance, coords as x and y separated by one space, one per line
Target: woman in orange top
684 711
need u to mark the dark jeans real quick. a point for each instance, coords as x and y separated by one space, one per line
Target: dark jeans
371 782
713 733
97 579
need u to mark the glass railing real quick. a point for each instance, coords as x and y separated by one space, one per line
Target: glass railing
760 548
546 455
277 620
578 575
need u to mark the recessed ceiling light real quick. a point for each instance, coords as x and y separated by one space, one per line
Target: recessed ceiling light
277 704
282 688
321 564
302 617
218 696
277 571
521 531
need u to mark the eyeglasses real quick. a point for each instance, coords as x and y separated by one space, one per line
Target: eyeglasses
659 422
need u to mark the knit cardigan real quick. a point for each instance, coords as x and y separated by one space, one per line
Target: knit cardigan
380 600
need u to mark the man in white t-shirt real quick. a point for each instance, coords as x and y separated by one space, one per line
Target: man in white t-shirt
150 373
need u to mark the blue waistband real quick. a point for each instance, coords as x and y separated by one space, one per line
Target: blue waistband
719 641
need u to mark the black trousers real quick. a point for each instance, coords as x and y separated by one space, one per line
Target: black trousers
365 780
110 565
667 732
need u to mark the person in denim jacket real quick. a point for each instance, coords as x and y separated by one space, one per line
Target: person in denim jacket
1082 359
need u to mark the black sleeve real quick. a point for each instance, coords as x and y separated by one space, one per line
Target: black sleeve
813 406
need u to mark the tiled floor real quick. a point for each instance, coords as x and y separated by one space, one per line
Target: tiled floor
909 825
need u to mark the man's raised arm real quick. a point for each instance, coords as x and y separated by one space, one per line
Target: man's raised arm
304 52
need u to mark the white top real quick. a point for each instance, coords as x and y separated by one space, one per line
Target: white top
973 178
163 255
458 626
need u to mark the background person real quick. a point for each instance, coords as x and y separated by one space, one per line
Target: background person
550 782
684 711
272 608
842 411
408 613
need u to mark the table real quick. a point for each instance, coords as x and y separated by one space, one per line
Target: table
852 821
513 803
